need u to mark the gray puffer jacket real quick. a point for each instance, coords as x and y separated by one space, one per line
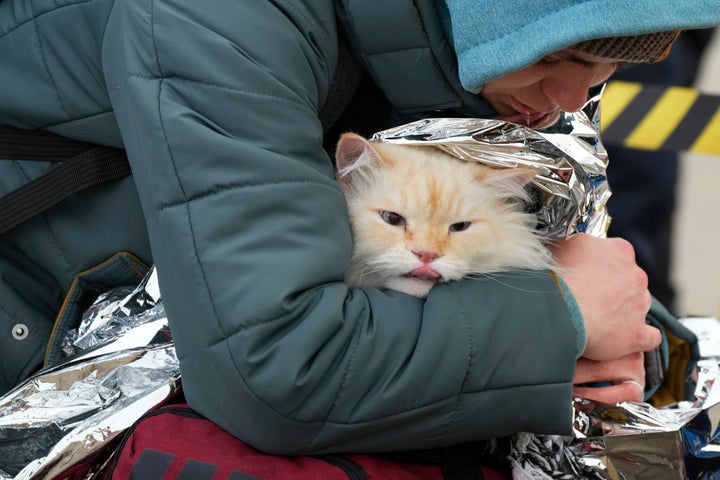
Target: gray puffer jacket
233 198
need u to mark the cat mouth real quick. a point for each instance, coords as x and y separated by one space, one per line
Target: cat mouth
417 285
425 273
422 278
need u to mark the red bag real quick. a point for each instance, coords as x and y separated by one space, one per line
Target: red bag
175 442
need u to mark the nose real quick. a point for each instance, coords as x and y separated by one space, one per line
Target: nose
425 257
569 90
569 94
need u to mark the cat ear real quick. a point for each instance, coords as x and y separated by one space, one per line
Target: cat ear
353 152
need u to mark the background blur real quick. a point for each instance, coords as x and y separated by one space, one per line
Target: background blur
695 261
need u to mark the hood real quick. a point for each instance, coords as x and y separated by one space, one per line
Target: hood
492 38
433 55
404 47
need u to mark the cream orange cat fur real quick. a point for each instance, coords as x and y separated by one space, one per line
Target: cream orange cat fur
420 216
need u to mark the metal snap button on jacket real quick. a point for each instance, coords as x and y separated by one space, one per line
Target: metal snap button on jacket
20 331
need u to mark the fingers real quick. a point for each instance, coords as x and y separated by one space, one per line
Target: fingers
638 384
614 371
612 293
650 338
626 391
623 379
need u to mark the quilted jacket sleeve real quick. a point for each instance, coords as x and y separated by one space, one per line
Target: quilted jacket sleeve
217 106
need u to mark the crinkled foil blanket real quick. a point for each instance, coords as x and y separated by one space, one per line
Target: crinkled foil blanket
121 363
631 440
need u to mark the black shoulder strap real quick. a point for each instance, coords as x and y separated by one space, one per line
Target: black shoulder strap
345 83
83 164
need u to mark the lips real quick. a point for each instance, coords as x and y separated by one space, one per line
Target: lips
536 122
522 108
528 116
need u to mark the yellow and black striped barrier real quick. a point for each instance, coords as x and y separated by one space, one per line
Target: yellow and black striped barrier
655 117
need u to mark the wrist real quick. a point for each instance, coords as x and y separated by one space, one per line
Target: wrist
575 314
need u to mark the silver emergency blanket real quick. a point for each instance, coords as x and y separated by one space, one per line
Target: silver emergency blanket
122 363
104 324
631 440
570 187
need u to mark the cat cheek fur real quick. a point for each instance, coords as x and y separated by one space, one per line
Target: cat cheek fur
411 286
375 250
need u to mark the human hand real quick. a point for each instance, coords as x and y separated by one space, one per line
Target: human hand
612 293
626 378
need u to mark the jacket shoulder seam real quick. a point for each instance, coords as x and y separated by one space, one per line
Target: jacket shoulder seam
230 187
216 86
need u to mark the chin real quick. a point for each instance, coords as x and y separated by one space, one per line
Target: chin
410 285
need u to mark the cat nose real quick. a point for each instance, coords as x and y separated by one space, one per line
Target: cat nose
426 257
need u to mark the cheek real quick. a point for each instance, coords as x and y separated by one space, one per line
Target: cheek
515 80
523 84
604 74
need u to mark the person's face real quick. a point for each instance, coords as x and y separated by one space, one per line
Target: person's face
534 95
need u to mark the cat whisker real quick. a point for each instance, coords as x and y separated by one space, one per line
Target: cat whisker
497 277
370 270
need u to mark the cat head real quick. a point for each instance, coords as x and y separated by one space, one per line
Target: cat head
420 216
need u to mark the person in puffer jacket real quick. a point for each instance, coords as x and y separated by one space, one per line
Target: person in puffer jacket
233 198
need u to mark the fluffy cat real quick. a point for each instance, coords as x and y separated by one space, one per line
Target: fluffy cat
420 216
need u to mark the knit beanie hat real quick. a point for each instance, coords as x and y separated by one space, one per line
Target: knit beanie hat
648 48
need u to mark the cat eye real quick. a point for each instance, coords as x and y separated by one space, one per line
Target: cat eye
459 226
392 218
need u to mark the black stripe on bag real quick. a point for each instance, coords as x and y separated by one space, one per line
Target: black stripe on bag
151 465
197 470
241 476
